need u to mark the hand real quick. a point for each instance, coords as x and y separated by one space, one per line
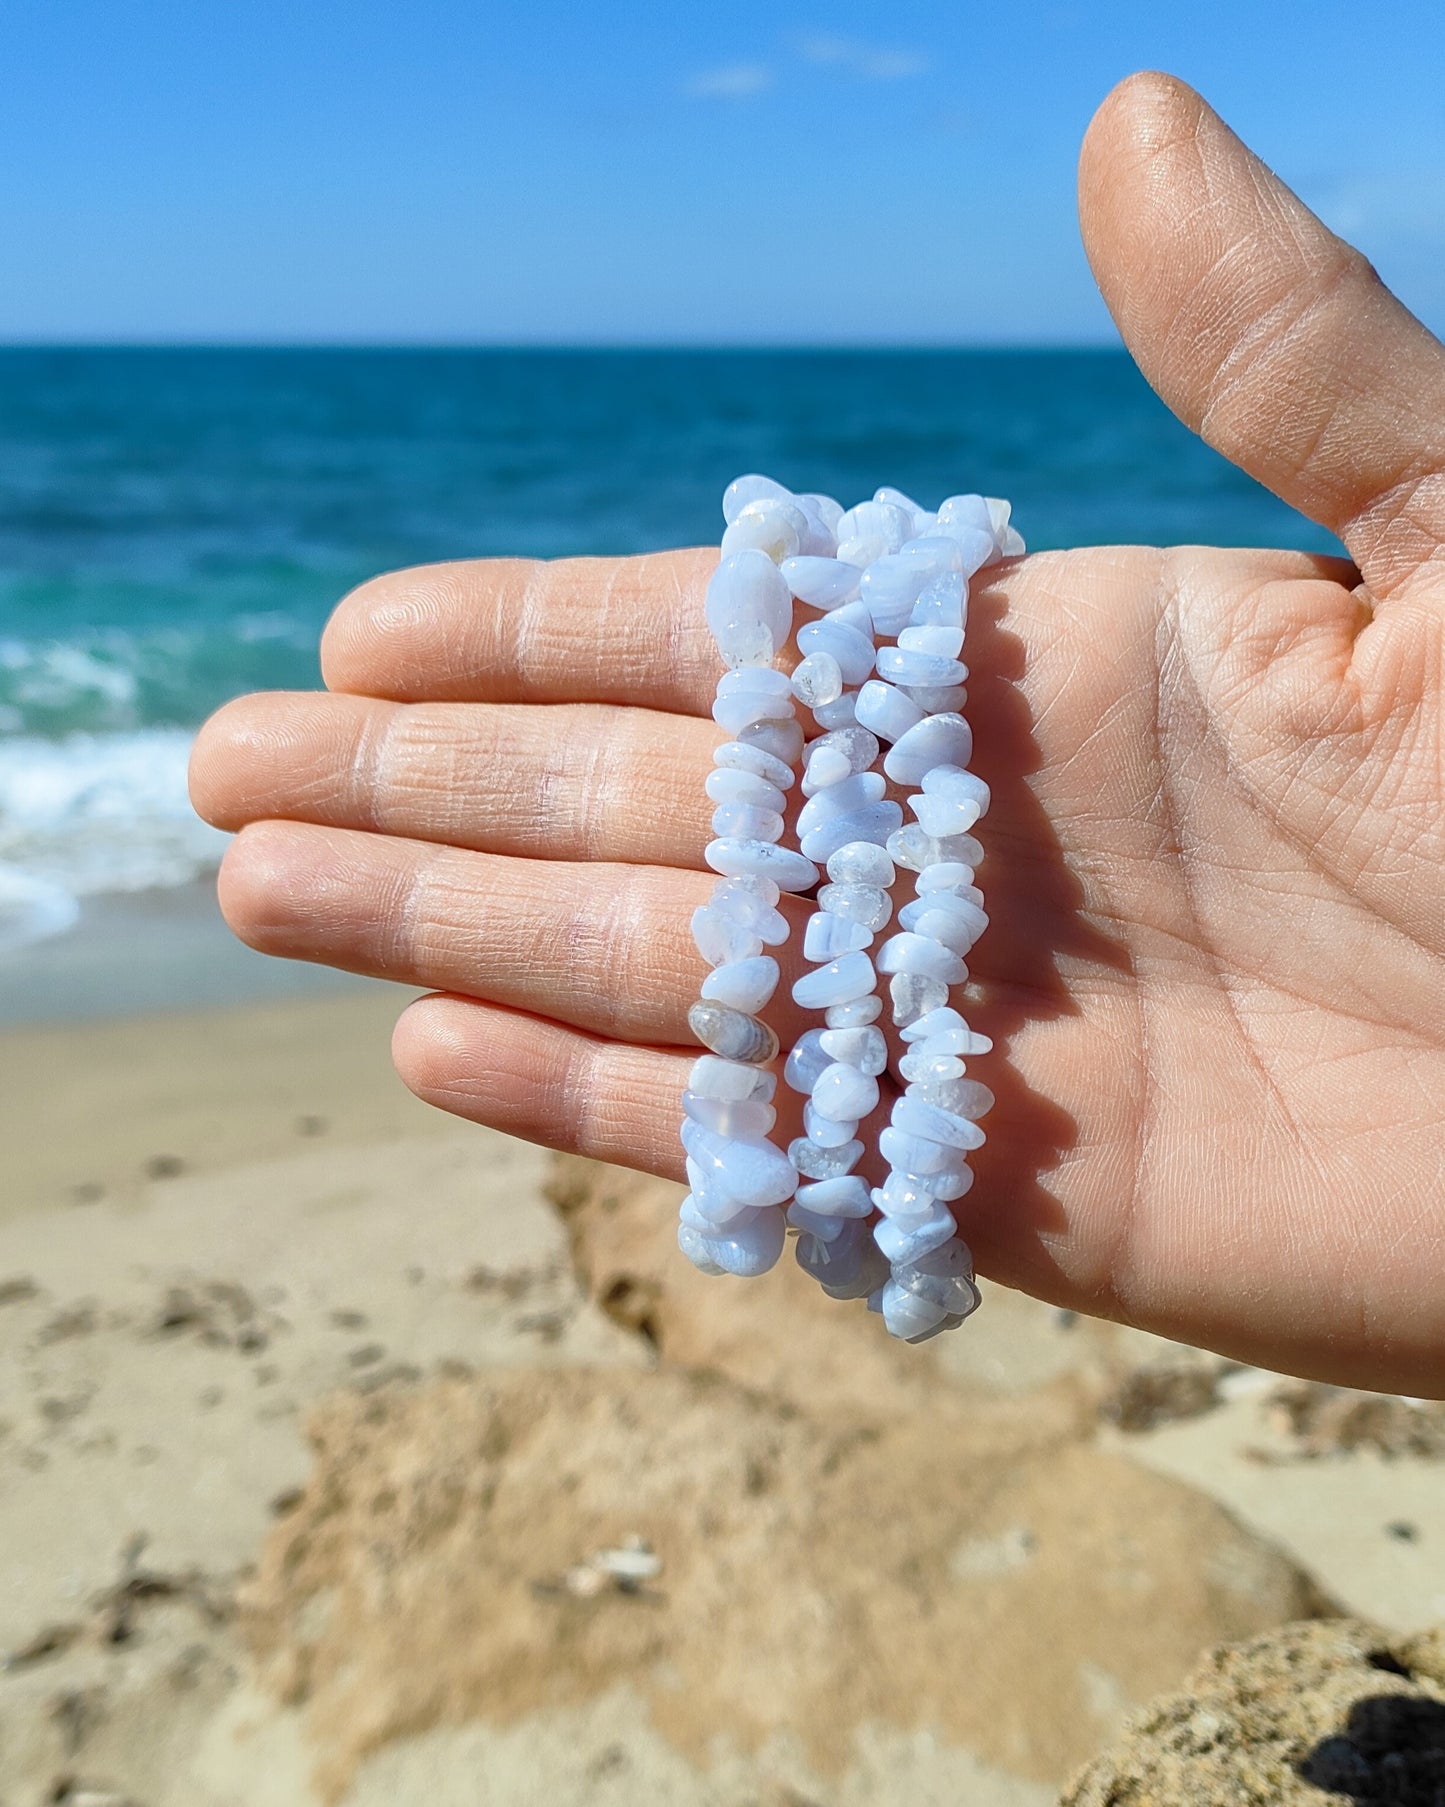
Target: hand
1216 860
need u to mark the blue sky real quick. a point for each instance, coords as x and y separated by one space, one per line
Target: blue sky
769 171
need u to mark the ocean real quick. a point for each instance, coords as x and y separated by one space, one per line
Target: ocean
175 524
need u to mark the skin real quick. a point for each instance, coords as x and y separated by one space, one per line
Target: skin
1216 966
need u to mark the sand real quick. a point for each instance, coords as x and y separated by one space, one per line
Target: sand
319 1414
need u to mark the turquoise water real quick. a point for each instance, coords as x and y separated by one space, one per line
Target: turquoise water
176 524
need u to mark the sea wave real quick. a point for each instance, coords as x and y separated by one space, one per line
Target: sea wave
93 813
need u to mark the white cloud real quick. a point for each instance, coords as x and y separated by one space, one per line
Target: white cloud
733 81
874 62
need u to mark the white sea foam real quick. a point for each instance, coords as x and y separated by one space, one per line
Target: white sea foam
93 813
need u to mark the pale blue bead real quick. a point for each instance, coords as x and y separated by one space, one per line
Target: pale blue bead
823 583
744 984
886 710
749 609
757 1173
839 799
735 756
935 1023
751 488
742 822
827 1132
952 1184
877 520
826 765
866 1272
819 541
782 738
937 699
720 940
967 921
840 713
874 822
898 498
916 849
826 1229
944 816
729 1117
919 1155
836 1261
945 642
846 1196
890 588
855 1015
906 1315
942 602
755 681
853 650
953 781
926 1071
936 740
818 680
977 546
905 1239
861 862
844 1094
913 995
709 1199
806 1061
736 859
827 936
694 1245
725 785
748 709
946 927
966 511
848 750
828 509
902 1196
974 1099
944 1276
915 1118
949 875
737 899
863 1048
897 665
909 953
768 525
713 1077
1011 543
935 554
820 1163
866 905
746 1249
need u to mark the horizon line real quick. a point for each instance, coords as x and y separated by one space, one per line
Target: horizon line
738 347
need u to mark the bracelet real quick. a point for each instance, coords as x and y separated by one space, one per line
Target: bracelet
886 569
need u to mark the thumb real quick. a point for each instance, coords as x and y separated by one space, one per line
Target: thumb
1265 333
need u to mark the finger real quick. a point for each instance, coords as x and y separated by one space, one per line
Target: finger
603 948
590 630
1264 332
535 1079
566 782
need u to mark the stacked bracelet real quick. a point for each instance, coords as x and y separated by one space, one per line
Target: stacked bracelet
886 569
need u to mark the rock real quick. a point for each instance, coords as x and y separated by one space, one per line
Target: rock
1336 1709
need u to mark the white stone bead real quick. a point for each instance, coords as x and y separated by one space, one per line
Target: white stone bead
732 1034
910 953
841 980
1011 543
952 1184
829 510
711 1205
746 1249
753 1172
906 1315
915 1118
903 1197
852 649
838 755
840 713
827 1132
966 511
749 609
783 739
972 1098
819 541
976 545
735 714
913 995
935 554
751 488
884 708
898 499
957 785
866 905
936 740
890 587
844 1094
770 526
967 918
806 1061
730 1116
741 821
862 550
962 1042
946 928
841 799
741 859
921 1068
905 1239
861 862
823 1163
937 699
999 512
823 583
920 1155
753 909
881 520
862 1048
897 665
727 1079
942 602
721 940
818 680
947 1022
916 849
734 756
873 822
827 936
759 680
726 785
855 1015
942 816
743 984
944 1276
943 642
847 1196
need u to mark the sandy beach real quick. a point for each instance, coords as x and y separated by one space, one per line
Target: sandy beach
349 1454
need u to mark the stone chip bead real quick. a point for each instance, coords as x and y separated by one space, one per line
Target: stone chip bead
746 1247
732 1035
745 985
843 1093
823 583
752 1172
749 609
762 859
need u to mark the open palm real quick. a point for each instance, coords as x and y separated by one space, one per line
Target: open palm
1216 859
